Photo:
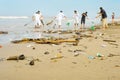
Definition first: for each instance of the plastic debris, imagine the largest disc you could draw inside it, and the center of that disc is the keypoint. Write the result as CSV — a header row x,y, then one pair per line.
x,y
0,46
99,55
91,57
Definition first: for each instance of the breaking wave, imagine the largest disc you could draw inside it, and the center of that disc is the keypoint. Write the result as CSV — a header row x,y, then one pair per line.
x,y
14,17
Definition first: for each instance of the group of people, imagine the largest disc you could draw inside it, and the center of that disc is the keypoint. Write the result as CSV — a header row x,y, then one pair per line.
x,y
38,19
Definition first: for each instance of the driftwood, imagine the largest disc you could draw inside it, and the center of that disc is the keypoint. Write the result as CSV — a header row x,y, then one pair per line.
x,y
20,57
111,55
56,41
50,22
48,41
65,32
3,32
57,57
113,44
109,40
86,35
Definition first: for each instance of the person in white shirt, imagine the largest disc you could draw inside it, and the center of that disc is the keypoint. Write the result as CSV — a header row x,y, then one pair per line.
x,y
76,19
36,18
59,18
41,19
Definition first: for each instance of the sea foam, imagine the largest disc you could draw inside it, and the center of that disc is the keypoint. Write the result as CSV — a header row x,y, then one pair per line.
x,y
14,17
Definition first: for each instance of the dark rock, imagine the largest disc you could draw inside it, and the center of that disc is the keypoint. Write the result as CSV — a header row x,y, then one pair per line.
x,y
31,62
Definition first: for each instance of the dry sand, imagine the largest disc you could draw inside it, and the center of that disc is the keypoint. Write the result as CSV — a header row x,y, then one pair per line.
x,y
70,67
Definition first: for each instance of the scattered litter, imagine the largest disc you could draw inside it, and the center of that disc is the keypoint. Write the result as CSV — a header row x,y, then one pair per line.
x,y
101,34
74,62
76,54
0,46
20,57
111,43
3,32
103,45
117,65
58,56
32,63
53,60
99,55
46,53
91,57
111,55
107,40
70,50
2,59
31,46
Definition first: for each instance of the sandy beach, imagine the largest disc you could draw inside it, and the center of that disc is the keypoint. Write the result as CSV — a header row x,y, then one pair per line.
x,y
93,58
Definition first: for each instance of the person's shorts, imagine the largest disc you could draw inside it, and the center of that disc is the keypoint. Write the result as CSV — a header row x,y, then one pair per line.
x,y
38,22
76,21
82,21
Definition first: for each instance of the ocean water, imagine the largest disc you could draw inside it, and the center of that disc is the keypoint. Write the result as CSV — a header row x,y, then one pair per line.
x,y
15,26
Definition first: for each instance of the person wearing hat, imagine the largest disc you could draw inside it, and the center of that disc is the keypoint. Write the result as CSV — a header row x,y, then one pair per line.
x,y
36,18
103,15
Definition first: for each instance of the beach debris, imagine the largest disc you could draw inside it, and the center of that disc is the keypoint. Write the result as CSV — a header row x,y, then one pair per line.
x,y
20,57
77,33
92,28
86,35
2,59
58,56
76,54
65,32
3,32
101,34
46,53
96,37
56,41
91,57
70,50
113,44
107,40
117,65
103,45
50,22
54,60
0,46
32,62
99,55
74,62
13,58
76,43
31,46
111,55
68,23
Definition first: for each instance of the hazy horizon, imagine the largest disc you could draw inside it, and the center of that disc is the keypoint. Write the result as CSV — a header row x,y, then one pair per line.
x,y
52,7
